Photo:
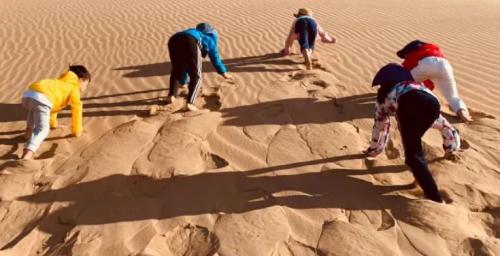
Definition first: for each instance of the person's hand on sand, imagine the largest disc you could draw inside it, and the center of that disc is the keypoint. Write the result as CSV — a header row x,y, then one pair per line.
x,y
58,126
464,116
227,76
370,152
285,51
452,156
76,135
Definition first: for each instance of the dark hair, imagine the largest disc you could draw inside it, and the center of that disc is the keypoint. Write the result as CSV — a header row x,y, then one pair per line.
x,y
205,28
80,71
410,47
388,77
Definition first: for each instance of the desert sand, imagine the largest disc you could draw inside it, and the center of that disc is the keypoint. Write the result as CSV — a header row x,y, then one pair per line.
x,y
275,166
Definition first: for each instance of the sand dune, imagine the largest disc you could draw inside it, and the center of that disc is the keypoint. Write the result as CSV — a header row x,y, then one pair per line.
x,y
275,166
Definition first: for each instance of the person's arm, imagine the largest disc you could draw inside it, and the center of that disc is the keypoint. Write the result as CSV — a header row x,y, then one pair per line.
x,y
451,138
292,36
53,120
380,131
214,56
76,113
325,37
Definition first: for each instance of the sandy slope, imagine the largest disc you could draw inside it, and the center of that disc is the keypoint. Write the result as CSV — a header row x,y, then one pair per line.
x,y
275,167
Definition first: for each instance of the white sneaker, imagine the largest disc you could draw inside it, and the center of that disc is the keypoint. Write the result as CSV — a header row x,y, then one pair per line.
x,y
191,107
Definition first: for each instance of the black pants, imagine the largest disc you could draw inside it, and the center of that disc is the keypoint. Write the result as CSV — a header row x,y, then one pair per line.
x,y
185,56
307,30
417,111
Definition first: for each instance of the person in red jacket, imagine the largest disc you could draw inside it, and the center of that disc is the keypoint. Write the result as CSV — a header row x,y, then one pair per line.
x,y
428,65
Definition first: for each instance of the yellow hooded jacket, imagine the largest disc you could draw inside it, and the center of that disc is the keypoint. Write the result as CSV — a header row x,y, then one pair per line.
x,y
62,92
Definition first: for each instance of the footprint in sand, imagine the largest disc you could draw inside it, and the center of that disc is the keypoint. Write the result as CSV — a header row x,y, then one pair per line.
x,y
318,65
173,107
391,151
21,166
213,161
196,113
464,144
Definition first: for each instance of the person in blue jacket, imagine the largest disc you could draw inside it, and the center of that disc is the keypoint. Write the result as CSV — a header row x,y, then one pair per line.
x,y
187,50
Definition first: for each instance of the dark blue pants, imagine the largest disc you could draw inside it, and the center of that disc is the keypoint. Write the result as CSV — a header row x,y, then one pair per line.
x,y
307,30
185,57
417,111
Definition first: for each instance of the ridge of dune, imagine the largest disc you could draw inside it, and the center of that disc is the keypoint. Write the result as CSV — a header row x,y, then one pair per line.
x,y
275,167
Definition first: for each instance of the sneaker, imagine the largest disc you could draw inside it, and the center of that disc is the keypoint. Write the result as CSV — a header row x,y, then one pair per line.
x,y
191,107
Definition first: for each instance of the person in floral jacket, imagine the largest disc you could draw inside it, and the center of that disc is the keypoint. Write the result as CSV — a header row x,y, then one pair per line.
x,y
417,109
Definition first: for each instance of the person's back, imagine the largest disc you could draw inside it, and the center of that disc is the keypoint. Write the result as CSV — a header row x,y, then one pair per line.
x,y
208,42
61,92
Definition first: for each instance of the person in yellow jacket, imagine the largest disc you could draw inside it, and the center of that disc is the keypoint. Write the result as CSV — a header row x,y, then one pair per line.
x,y
45,98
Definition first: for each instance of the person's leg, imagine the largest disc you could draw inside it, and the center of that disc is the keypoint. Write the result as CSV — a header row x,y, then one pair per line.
x,y
176,50
312,32
448,87
307,54
301,28
194,69
29,119
41,117
423,71
413,125
303,36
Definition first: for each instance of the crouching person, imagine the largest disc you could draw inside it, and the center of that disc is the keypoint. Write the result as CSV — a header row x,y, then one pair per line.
x,y
416,110
45,98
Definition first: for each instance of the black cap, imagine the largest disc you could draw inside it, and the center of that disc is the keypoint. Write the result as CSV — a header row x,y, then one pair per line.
x,y
392,73
205,28
410,47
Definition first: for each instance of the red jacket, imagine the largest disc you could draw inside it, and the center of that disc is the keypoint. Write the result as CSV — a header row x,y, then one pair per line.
x,y
426,50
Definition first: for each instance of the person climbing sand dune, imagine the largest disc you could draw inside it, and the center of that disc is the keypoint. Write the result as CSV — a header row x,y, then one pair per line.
x,y
427,64
416,110
306,30
45,98
187,50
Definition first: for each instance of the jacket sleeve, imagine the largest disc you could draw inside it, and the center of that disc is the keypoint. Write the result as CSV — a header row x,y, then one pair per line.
x,y
451,138
214,56
380,132
76,112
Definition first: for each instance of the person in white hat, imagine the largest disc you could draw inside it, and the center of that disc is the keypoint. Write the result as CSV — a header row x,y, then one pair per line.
x,y
306,29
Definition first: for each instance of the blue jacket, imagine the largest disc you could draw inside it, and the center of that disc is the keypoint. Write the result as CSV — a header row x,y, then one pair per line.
x,y
208,44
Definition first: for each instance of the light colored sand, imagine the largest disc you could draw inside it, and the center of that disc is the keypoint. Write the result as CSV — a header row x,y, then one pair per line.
x,y
274,167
